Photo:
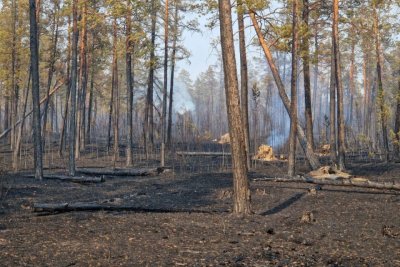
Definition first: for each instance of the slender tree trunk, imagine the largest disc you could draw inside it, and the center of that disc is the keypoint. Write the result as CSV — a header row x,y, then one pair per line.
x,y
37,139
52,62
129,85
14,73
91,91
244,87
149,112
307,77
339,87
165,85
242,202
171,86
397,120
74,70
311,157
17,149
115,93
332,112
293,95
351,82
381,93
80,124
67,95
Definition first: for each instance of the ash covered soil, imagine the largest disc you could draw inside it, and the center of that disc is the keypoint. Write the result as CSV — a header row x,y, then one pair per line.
x,y
191,224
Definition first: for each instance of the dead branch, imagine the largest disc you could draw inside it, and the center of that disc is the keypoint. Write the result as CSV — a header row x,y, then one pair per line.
x,y
74,179
336,181
93,206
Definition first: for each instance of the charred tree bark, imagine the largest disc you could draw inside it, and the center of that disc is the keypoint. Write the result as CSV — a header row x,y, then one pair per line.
x,y
74,71
307,78
293,95
311,157
332,113
115,93
171,85
244,80
381,93
129,85
51,70
397,121
80,124
165,85
67,95
242,202
149,112
34,49
339,87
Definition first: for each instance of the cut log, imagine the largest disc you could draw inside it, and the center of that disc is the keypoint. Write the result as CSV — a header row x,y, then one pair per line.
x,y
74,179
125,172
94,206
337,181
212,154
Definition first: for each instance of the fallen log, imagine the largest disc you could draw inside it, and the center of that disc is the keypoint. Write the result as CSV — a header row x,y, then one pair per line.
x,y
94,206
73,179
336,181
213,154
125,172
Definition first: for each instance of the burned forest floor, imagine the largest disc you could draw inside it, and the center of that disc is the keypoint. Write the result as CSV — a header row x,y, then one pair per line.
x,y
183,218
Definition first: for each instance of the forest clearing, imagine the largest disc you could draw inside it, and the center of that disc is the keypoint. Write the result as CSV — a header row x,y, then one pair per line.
x,y
119,146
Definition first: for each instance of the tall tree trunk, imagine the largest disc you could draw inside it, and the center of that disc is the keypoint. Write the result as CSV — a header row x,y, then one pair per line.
x,y
381,93
311,157
129,85
51,70
74,70
17,149
339,87
244,80
242,202
14,73
351,81
37,139
171,85
80,124
115,92
67,95
165,85
293,94
397,120
149,112
91,91
306,70
332,112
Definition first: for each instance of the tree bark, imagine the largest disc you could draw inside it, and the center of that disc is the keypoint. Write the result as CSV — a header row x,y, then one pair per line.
x,y
397,121
339,87
311,157
332,112
18,141
242,202
80,123
165,85
171,85
149,112
51,70
115,92
381,93
74,70
244,80
129,85
306,70
293,94
34,49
